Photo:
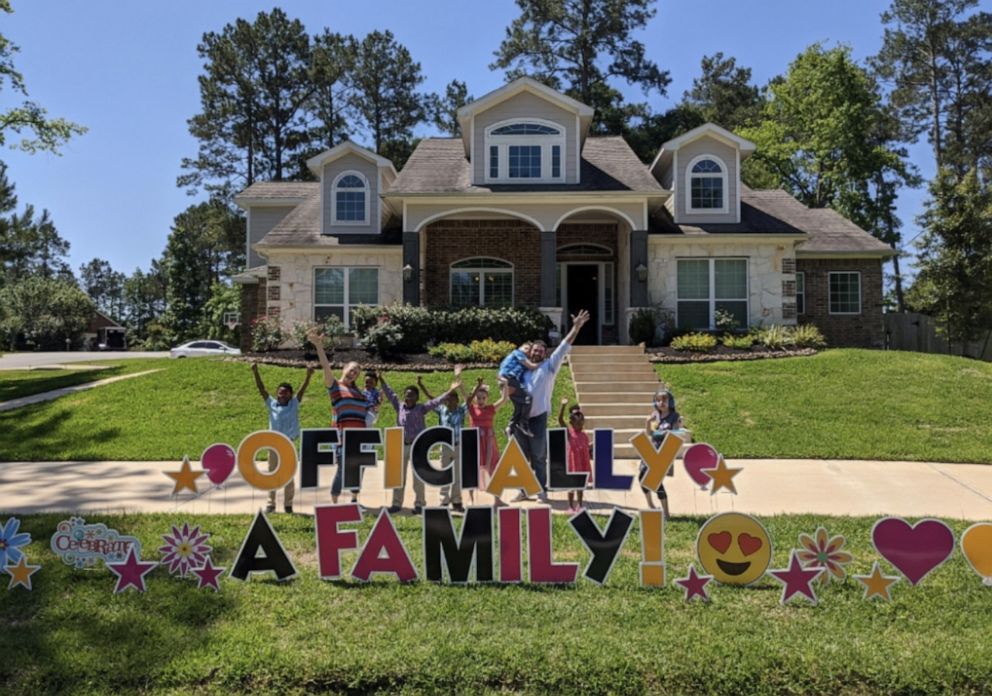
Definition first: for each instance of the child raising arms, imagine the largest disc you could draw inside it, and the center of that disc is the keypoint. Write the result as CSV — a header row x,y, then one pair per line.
x,y
579,449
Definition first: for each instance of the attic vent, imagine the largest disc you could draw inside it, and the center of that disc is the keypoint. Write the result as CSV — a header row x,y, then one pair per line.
x,y
525,129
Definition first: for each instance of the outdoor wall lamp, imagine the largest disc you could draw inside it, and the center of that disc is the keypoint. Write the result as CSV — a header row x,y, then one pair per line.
x,y
407,272
642,272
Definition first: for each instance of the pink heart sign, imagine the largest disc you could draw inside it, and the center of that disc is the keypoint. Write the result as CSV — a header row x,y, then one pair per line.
x,y
698,457
914,550
218,462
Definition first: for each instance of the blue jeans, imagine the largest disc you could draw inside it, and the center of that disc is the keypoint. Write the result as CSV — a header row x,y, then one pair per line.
x,y
536,448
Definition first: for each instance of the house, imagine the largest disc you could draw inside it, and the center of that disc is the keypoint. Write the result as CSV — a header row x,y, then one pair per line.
x,y
527,208
103,333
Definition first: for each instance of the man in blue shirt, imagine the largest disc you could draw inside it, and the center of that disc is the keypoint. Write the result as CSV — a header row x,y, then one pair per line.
x,y
540,383
284,417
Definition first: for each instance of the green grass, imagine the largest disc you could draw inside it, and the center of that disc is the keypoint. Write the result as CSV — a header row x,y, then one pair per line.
x,y
72,634
15,384
844,404
183,409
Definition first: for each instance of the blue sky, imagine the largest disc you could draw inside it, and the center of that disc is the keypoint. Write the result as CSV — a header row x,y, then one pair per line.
x,y
128,71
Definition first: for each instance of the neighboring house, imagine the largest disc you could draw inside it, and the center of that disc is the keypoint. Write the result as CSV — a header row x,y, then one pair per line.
x,y
103,333
528,209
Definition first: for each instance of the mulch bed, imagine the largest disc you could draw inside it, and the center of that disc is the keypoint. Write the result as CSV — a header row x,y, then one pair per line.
x,y
403,362
722,353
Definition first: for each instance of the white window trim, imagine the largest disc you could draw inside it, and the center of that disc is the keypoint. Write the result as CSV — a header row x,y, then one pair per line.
x,y
830,310
334,199
546,142
723,176
801,274
712,287
346,320
512,270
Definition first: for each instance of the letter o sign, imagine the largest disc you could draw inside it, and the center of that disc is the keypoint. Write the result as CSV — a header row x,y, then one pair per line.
x,y
284,450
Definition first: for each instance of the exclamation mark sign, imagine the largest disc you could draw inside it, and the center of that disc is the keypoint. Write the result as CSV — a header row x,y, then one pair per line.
x,y
652,549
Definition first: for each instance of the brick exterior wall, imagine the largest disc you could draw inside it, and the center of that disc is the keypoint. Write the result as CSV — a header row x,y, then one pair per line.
x,y
253,305
865,330
448,241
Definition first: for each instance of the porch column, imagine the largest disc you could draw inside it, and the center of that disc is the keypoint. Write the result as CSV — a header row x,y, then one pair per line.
x,y
411,258
638,257
549,252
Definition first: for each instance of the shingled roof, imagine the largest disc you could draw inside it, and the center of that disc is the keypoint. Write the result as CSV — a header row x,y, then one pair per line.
x,y
301,228
775,211
275,190
439,165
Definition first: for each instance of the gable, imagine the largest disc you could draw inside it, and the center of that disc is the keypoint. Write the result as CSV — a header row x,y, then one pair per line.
x,y
369,171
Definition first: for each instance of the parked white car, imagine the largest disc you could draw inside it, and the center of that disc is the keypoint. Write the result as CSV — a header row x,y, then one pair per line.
x,y
195,349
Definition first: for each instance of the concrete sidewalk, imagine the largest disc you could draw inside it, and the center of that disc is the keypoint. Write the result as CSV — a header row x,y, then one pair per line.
x,y
56,393
765,487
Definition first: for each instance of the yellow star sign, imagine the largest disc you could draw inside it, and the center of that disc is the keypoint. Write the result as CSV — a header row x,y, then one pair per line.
x,y
722,477
185,478
876,584
21,573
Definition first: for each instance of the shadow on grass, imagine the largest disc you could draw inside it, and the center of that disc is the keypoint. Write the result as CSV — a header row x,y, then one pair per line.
x,y
55,639
48,433
15,387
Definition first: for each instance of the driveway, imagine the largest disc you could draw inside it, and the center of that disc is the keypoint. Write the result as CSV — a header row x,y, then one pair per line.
x,y
13,361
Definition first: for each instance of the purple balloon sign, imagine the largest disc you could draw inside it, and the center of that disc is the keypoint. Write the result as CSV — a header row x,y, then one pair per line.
x,y
698,457
218,461
914,550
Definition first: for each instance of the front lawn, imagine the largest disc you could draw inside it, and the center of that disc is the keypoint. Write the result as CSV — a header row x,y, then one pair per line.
x,y
15,384
841,404
72,634
186,407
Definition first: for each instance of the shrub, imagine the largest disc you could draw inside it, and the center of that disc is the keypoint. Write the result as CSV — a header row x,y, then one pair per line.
x,y
331,327
808,336
725,321
642,326
266,334
488,351
695,342
422,327
775,337
741,342
383,339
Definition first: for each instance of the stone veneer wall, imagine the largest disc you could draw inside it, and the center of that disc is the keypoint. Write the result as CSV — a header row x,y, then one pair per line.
x,y
252,306
765,273
865,330
447,241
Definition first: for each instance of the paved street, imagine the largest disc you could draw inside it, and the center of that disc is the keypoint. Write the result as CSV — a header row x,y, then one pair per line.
x,y
14,361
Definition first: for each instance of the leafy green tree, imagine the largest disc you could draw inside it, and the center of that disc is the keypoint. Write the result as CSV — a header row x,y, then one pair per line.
x,y
955,262
938,59
44,312
223,299
579,46
46,134
29,245
385,99
826,137
723,93
104,285
331,63
444,110
252,125
144,299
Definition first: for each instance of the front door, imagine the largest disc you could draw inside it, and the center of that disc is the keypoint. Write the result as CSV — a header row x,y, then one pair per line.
x,y
583,293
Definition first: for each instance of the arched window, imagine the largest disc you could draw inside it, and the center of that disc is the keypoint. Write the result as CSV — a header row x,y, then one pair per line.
x,y
526,151
481,282
707,185
350,193
585,250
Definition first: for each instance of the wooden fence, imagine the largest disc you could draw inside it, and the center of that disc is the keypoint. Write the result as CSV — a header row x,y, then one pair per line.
x,y
918,332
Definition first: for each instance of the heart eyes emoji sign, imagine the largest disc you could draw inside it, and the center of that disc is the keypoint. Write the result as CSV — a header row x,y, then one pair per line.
x,y
734,548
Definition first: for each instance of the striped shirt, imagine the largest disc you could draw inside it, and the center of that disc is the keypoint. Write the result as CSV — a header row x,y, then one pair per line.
x,y
349,404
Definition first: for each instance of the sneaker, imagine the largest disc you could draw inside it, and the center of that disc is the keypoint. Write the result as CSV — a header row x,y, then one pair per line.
x,y
457,507
445,500
271,507
543,497
393,509
288,509
418,509
521,498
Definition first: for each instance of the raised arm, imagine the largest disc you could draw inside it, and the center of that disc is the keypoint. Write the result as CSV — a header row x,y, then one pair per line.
x,y
316,339
438,400
423,388
475,390
578,321
561,414
503,398
258,381
390,394
306,383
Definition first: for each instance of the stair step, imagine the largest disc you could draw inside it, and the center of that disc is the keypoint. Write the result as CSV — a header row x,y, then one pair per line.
x,y
616,387
615,422
614,372
639,398
592,409
607,350
617,359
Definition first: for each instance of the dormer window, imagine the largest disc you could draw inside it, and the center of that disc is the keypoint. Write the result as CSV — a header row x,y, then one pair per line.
x,y
350,195
706,182
529,151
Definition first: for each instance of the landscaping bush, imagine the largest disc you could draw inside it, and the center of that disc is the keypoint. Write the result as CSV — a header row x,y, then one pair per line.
x,y
695,342
808,336
741,342
266,334
421,327
331,327
642,326
487,351
383,339
775,337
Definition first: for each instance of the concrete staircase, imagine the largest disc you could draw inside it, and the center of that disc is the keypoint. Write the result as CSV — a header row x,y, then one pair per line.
x,y
615,386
